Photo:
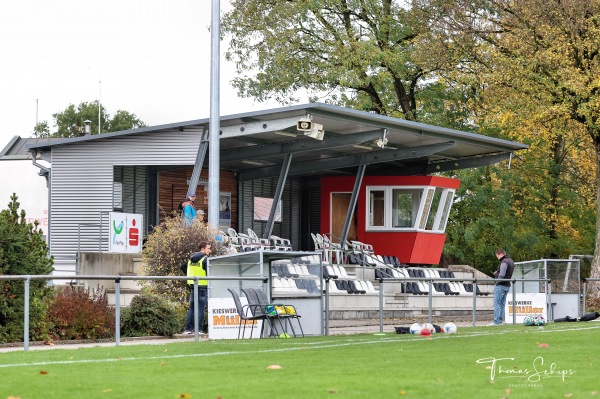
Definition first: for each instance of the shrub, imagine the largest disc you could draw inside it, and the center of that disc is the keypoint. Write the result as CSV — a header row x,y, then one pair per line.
x,y
78,313
168,246
22,251
149,315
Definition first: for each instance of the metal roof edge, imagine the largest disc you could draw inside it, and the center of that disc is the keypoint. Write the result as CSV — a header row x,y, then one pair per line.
x,y
8,146
322,109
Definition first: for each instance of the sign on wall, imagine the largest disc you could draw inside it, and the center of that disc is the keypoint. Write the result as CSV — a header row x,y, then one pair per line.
x,y
224,321
526,304
224,210
126,233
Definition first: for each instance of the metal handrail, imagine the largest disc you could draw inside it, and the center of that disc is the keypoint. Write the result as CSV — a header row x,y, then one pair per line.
x,y
431,280
117,278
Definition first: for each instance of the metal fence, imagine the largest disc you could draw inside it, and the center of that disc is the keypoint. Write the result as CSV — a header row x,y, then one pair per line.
x,y
585,287
27,279
429,281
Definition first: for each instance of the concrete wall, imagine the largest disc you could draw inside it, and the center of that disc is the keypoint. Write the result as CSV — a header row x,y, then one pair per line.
x,y
103,263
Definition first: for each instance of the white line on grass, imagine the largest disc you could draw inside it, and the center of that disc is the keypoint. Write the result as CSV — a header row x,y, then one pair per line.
x,y
304,346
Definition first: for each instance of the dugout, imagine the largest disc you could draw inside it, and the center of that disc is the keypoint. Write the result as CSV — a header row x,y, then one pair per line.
x,y
263,264
561,296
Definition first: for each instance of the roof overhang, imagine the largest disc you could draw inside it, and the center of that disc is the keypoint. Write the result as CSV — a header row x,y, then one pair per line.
x,y
254,144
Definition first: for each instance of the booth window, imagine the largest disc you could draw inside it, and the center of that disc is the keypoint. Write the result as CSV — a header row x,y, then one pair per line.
x,y
377,208
408,208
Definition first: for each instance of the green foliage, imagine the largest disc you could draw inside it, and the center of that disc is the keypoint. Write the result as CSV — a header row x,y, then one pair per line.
x,y
81,313
70,121
150,315
363,55
41,129
168,246
23,251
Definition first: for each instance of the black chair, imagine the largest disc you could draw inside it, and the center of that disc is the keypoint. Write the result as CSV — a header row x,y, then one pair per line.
x,y
290,310
246,315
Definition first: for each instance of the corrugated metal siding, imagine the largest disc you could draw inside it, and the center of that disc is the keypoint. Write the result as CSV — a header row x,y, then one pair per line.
x,y
135,194
82,186
290,212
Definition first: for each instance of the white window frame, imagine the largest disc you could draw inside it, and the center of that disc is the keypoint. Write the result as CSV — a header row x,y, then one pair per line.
x,y
423,210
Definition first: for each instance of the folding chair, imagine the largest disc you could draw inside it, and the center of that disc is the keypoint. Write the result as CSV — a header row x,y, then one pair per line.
x,y
290,310
245,313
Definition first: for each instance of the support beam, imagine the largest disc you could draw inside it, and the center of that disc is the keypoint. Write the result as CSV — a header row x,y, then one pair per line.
x,y
474,162
376,156
246,129
352,205
287,160
299,145
199,161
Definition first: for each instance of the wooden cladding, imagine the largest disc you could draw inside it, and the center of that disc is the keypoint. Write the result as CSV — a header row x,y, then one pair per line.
x,y
173,185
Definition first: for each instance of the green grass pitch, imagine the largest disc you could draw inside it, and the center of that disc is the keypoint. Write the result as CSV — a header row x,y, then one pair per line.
x,y
560,360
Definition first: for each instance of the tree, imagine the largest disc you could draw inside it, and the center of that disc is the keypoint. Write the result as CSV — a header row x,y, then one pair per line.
x,y
23,251
168,247
428,61
544,54
364,55
70,121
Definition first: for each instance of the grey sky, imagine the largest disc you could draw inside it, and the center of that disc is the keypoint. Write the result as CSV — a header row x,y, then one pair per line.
x,y
152,57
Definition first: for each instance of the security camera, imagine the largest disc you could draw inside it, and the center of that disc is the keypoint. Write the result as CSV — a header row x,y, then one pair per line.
x,y
304,125
381,143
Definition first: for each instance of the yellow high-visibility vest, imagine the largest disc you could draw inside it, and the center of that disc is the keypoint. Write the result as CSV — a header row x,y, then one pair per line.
x,y
196,270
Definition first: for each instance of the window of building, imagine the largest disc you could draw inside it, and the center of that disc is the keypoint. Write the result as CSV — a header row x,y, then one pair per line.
x,y
408,208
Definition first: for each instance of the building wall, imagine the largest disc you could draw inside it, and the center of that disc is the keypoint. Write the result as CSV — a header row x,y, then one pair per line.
x,y
291,200
81,193
173,185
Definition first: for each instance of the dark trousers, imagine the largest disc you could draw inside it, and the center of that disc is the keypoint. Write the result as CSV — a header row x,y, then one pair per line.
x,y
202,301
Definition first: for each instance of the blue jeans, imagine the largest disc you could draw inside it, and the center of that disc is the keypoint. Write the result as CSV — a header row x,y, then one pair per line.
x,y
500,292
202,300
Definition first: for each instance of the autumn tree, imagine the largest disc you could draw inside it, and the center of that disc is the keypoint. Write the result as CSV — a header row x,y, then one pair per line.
x,y
363,55
168,247
444,62
538,62
70,121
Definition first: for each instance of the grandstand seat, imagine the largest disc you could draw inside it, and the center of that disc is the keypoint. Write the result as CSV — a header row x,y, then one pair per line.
x,y
370,288
357,287
280,244
333,288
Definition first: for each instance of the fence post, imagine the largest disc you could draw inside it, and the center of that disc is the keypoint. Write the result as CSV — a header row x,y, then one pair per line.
x,y
196,321
584,296
549,291
326,304
514,301
430,301
118,311
26,315
380,305
474,302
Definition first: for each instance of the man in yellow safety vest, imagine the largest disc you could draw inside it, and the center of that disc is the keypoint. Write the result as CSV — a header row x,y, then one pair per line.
x,y
196,267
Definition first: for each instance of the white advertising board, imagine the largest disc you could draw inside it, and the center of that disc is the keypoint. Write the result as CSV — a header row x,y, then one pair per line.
x,y
223,320
126,232
526,304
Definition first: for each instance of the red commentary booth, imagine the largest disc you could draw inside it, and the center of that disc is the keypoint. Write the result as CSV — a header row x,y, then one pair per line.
x,y
404,216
